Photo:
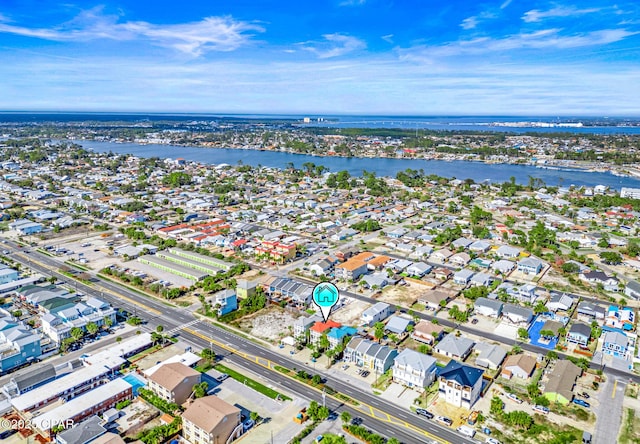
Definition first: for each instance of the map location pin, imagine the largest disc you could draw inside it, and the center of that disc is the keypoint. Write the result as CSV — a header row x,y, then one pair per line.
x,y
325,296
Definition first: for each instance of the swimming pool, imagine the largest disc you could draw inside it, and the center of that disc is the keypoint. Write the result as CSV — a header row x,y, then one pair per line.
x,y
135,382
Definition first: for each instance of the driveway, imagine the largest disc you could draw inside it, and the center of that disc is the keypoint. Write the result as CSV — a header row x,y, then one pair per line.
x,y
609,414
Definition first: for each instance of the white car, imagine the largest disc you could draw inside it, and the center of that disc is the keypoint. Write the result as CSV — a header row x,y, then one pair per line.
x,y
492,441
514,398
541,409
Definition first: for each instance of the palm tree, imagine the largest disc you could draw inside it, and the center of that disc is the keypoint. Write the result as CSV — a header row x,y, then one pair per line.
x,y
92,328
76,333
345,417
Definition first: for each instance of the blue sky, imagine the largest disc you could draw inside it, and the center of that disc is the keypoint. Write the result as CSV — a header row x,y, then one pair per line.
x,y
416,57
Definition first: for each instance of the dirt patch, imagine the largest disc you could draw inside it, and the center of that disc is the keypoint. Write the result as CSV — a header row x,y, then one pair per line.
x,y
350,313
403,295
271,324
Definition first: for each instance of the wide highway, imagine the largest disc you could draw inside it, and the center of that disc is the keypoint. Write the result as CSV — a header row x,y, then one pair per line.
x,y
378,414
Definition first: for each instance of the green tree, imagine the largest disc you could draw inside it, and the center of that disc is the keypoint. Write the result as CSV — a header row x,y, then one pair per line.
x,y
378,332
497,406
92,328
345,417
200,390
159,328
523,333
76,333
323,343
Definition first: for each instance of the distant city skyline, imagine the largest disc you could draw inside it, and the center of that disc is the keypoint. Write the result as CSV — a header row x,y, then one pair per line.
x,y
328,57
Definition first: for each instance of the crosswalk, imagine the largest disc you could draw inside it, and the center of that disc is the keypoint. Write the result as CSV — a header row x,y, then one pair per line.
x,y
181,327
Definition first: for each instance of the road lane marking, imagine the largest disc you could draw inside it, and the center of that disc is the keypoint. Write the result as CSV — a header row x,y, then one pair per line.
x,y
373,412
615,385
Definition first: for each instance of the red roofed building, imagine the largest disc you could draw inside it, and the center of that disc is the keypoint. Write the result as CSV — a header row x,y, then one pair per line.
x,y
319,328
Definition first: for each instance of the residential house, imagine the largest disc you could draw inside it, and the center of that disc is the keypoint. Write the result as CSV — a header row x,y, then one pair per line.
x,y
433,298
460,259
480,246
559,302
442,273
503,266
516,314
488,307
225,302
489,355
369,354
336,336
351,270
210,420
530,265
245,288
323,267
615,344
621,318
562,380
527,293
376,280
520,365
460,384
461,242
319,328
483,279
463,277
441,255
454,347
632,289
588,312
579,333
398,324
379,312
419,269
414,369
594,277
427,332
302,325
508,252
174,382
19,344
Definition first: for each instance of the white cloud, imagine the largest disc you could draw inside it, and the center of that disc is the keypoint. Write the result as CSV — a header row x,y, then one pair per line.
x,y
388,38
372,85
505,4
536,15
334,45
469,23
352,2
542,39
195,38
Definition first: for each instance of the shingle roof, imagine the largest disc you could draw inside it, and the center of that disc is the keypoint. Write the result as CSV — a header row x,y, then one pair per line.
x,y
415,360
455,346
464,375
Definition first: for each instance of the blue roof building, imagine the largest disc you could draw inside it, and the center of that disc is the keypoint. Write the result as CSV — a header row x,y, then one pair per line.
x,y
460,384
336,335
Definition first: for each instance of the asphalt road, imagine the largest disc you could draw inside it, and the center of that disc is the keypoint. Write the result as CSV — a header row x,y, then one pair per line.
x,y
175,318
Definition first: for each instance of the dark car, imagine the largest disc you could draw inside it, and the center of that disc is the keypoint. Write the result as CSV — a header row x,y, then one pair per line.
x,y
582,403
365,373
474,321
7,433
422,412
585,395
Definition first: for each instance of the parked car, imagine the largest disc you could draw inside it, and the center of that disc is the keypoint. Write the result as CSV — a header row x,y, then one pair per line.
x,y
423,412
582,403
444,420
365,373
514,398
319,438
492,441
585,395
541,409
222,377
474,321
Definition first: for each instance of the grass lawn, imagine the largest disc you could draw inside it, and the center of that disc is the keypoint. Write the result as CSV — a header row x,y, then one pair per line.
x,y
261,388
630,429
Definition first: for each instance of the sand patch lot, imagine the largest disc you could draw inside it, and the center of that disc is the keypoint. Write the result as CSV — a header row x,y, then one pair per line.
x,y
403,295
271,324
350,312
